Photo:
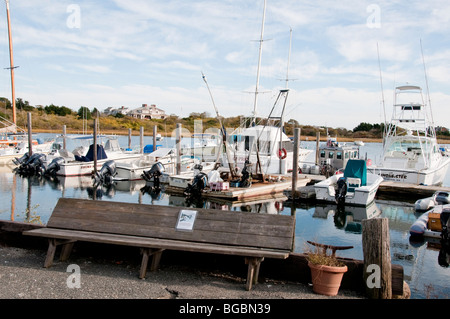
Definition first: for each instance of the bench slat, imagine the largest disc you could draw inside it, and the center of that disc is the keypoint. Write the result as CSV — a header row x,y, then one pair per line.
x,y
155,243
233,228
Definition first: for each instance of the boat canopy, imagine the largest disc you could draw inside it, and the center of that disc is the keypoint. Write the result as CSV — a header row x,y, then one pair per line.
x,y
90,154
356,169
408,87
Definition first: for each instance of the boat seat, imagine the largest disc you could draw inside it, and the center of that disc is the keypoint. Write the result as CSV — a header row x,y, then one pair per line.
x,y
353,183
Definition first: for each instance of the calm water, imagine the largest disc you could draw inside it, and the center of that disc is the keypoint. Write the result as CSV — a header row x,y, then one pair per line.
x,y
33,199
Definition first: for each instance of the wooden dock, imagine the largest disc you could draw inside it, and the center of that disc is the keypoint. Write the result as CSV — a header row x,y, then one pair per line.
x,y
387,189
408,191
243,194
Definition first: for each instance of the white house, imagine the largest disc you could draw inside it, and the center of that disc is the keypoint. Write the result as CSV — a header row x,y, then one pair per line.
x,y
147,112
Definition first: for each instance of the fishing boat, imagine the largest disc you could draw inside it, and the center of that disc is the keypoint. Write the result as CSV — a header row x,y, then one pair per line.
x,y
355,186
266,147
410,149
333,156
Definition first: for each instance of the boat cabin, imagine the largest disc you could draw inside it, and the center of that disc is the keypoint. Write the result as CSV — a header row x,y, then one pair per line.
x,y
337,155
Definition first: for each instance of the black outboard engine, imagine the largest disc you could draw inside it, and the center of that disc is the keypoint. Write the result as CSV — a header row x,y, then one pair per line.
x,y
106,173
246,172
23,159
154,173
445,222
54,166
442,198
33,166
341,191
198,185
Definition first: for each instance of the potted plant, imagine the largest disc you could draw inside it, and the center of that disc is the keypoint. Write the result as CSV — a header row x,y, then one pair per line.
x,y
326,270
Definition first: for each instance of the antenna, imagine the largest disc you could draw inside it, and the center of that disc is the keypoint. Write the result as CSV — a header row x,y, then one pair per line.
x,y
426,82
289,57
255,104
382,91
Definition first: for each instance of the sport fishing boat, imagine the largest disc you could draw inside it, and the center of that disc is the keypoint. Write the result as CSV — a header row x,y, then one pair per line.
x,y
410,149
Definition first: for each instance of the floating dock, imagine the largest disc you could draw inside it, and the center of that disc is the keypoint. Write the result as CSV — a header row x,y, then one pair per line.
x,y
255,191
387,189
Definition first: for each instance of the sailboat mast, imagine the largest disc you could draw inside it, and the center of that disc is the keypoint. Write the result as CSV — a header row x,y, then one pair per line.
x,y
255,103
11,63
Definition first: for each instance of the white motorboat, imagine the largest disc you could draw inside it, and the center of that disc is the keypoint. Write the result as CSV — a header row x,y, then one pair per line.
x,y
134,170
18,148
411,152
80,161
355,186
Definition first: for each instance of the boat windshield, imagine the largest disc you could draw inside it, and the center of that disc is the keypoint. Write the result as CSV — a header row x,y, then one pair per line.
x,y
410,145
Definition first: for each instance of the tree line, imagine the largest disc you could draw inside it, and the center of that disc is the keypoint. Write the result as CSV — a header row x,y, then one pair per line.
x,y
52,117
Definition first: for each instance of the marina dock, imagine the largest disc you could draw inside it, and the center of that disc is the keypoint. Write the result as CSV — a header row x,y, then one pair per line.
x,y
241,193
387,189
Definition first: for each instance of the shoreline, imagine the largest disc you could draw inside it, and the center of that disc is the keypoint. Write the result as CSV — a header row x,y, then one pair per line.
x,y
302,137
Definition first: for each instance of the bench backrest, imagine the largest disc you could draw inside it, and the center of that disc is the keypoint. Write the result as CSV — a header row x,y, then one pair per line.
x,y
210,226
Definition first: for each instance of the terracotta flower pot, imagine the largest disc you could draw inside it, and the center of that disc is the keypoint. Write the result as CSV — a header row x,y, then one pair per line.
x,y
326,279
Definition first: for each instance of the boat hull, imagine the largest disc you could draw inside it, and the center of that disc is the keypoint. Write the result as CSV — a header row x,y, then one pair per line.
x,y
422,177
362,196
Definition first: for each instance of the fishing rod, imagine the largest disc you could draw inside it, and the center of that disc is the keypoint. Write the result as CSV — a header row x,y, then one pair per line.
x,y
222,128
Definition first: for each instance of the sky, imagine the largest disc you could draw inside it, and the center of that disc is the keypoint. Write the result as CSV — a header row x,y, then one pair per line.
x,y
343,62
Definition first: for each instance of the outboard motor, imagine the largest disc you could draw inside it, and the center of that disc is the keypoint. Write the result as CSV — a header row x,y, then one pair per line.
x,y
445,222
154,173
23,159
442,198
246,172
106,173
341,191
197,186
54,166
33,166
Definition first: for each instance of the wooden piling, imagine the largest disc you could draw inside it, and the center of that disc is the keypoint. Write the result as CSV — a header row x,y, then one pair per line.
x,y
178,146
30,135
64,133
377,272
129,138
295,163
141,137
95,146
317,147
154,138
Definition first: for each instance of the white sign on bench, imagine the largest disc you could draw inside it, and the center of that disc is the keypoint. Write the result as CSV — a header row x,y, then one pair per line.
x,y
186,220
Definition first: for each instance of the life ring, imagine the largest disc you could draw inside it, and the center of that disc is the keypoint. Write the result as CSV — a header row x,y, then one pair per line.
x,y
282,154
278,206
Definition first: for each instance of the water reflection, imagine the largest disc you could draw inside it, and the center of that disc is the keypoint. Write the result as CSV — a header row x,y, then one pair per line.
x,y
425,264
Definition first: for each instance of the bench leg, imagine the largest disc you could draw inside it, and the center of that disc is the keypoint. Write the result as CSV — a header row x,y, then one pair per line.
x,y
50,253
65,253
66,250
253,271
146,253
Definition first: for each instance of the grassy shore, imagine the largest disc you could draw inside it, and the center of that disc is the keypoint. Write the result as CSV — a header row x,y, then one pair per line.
x,y
303,138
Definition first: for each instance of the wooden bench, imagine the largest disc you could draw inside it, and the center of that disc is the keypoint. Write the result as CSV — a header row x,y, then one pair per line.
x,y
156,228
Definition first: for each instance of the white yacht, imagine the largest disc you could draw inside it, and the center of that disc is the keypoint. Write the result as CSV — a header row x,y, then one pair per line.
x,y
410,149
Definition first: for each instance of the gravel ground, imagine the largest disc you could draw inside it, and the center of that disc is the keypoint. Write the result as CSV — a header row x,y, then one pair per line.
x,y
106,277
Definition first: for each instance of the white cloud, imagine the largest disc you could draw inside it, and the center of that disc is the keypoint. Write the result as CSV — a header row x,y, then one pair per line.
x,y
134,52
